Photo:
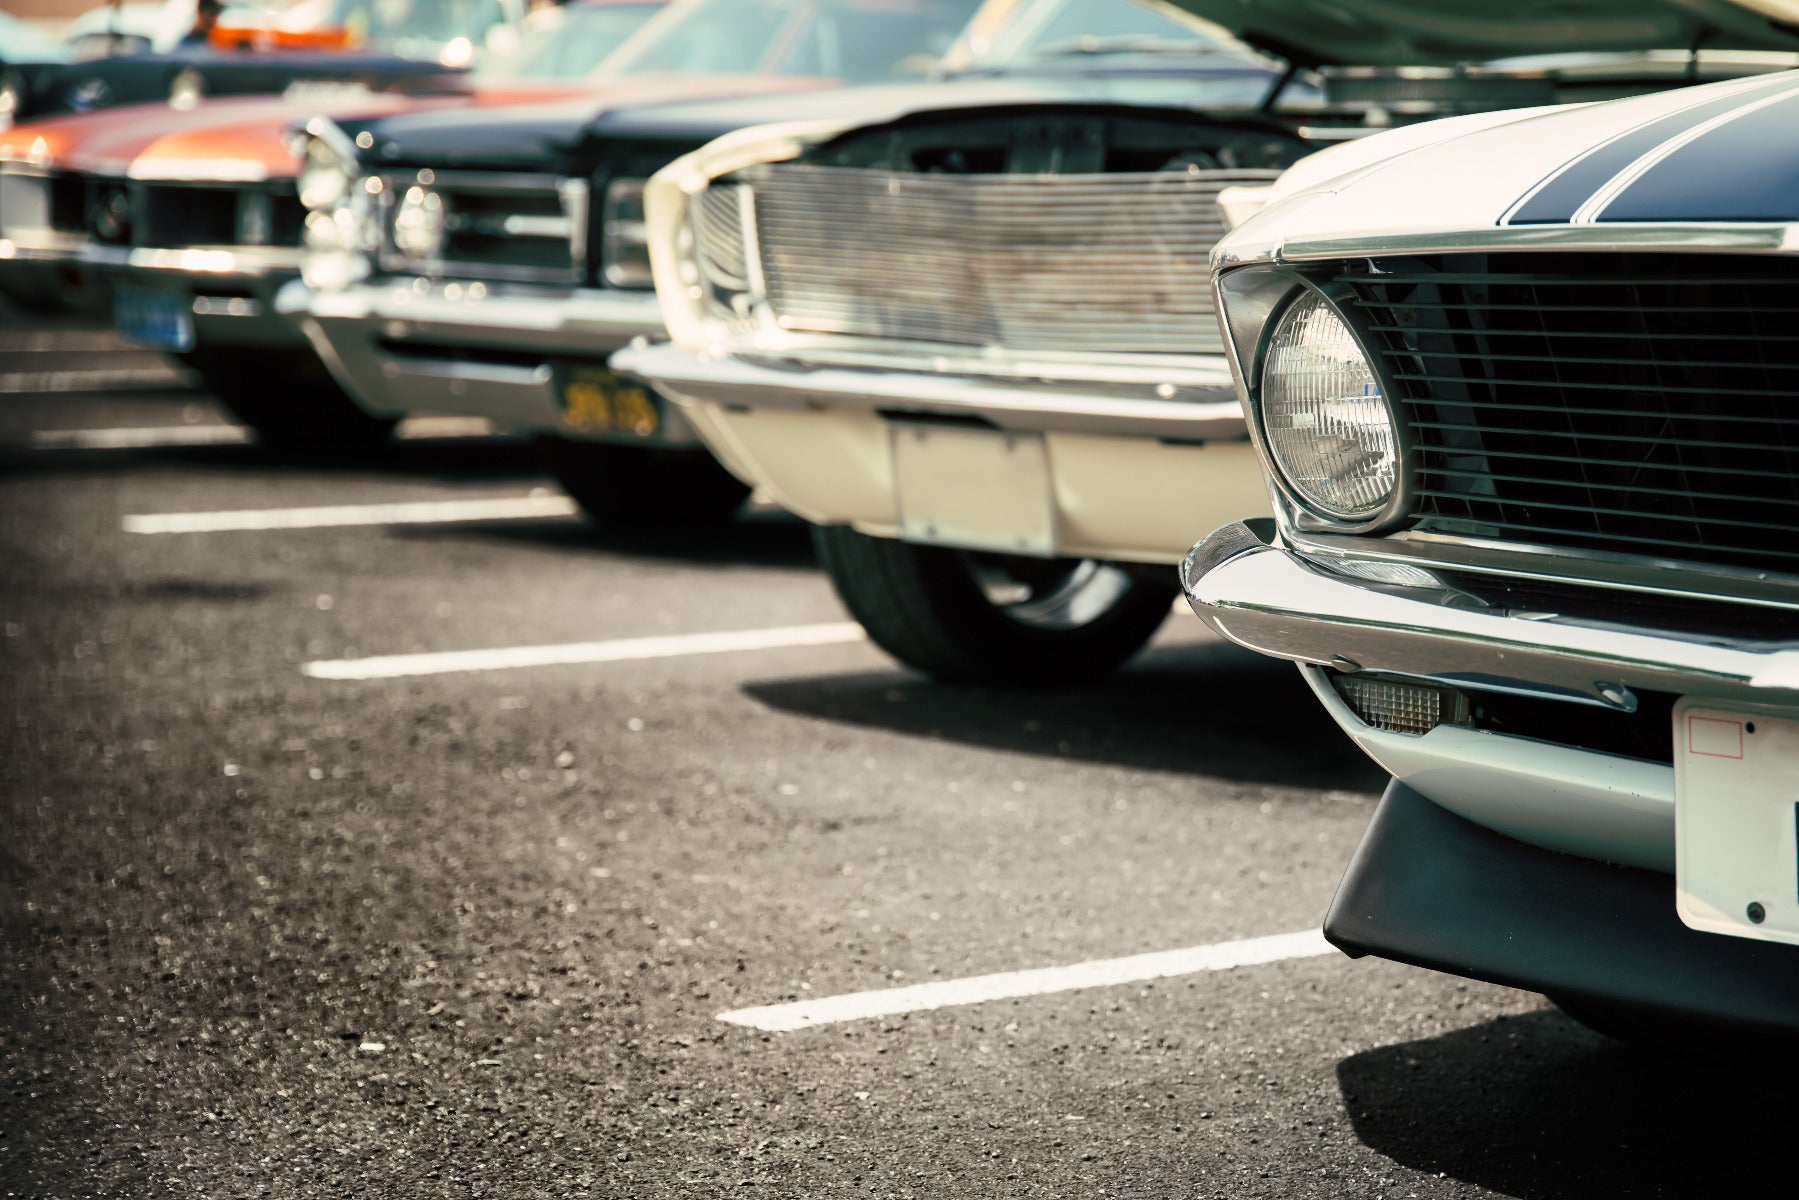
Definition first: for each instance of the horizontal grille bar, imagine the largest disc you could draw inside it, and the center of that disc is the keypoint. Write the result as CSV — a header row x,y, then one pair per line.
x,y
514,229
1105,263
1637,404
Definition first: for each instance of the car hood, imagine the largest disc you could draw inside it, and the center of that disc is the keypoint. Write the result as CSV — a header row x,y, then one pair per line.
x,y
552,136
1425,32
243,138
1726,152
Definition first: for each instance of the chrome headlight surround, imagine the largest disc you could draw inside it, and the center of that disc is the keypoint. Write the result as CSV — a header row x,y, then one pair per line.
x,y
1260,307
327,165
340,236
625,236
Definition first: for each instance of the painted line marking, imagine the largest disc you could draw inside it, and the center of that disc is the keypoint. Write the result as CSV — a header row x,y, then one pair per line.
x,y
176,436
412,512
139,439
1165,964
396,666
22,383
68,341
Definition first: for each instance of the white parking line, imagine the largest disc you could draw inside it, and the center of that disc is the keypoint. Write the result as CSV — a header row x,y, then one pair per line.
x,y
395,666
175,436
23,383
1166,964
413,512
139,439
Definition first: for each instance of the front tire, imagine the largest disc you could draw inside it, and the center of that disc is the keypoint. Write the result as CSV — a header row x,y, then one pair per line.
x,y
289,400
623,488
963,617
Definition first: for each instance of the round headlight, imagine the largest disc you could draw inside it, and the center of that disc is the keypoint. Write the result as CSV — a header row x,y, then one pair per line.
x,y
324,179
419,224
1327,424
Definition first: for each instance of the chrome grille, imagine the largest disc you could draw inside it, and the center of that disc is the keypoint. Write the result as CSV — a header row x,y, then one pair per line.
x,y
1631,403
1106,263
520,228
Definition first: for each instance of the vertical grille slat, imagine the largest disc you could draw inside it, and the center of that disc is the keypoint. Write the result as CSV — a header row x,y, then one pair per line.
x,y
1643,404
1109,263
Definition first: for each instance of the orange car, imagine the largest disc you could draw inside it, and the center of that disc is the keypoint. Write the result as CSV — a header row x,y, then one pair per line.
x,y
192,220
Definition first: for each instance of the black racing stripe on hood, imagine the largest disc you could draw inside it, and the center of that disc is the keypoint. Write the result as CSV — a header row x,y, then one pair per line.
x,y
1744,170
1558,198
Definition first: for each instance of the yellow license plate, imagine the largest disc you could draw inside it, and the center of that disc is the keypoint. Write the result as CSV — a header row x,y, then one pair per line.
x,y
594,400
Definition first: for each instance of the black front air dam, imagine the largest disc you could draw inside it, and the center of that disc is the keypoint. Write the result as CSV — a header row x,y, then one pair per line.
x,y
1427,887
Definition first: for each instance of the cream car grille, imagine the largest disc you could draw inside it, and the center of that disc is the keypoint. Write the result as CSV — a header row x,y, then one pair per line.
x,y
1112,264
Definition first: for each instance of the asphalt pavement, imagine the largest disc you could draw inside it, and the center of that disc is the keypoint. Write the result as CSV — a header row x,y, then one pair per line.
x,y
649,900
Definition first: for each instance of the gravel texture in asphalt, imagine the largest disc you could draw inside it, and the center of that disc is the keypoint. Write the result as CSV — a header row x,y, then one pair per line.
x,y
469,934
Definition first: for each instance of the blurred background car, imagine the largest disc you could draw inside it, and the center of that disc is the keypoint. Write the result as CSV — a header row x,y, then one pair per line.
x,y
413,317
259,51
974,343
195,215
27,54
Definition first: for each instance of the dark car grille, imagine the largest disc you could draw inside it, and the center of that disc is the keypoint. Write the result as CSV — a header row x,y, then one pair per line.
x,y
1638,404
501,227
174,216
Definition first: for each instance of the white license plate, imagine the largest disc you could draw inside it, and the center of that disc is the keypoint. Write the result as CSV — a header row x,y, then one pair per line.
x,y
976,489
1736,820
163,320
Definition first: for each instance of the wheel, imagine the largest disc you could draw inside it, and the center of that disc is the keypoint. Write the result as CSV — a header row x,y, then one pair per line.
x,y
288,399
964,617
628,488
1663,1032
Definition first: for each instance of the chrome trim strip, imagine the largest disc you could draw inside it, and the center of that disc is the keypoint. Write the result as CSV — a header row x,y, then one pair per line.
x,y
1268,599
1707,237
734,380
575,322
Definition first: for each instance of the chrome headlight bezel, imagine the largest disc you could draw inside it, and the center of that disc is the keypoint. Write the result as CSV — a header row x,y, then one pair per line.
x,y
624,236
328,166
1254,305
339,240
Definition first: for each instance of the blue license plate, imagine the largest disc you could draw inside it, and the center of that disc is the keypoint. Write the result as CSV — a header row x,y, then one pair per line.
x,y
163,320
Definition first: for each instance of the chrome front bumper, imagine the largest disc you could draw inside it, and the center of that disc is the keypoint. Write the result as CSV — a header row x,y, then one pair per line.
x,y
1124,470
1016,403
1268,599
486,350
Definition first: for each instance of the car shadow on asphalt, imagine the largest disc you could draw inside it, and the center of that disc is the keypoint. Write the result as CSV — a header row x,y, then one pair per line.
x,y
776,540
1207,709
1536,1106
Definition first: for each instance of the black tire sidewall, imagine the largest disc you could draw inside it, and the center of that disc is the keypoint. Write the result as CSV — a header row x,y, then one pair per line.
x,y
923,605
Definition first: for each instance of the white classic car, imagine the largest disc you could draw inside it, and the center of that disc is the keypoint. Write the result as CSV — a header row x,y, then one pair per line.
x,y
977,348
1529,402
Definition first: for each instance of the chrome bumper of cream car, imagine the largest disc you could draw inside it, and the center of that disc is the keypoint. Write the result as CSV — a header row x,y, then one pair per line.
x,y
1201,406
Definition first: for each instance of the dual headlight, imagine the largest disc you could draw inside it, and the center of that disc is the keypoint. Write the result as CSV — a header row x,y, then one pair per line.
x,y
1325,419
340,224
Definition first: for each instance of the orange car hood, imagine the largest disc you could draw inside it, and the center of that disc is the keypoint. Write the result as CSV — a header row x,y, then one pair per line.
x,y
245,138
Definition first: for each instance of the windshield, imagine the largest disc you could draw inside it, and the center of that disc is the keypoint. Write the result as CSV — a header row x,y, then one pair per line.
x,y
569,42
384,22
858,41
1044,29
20,43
